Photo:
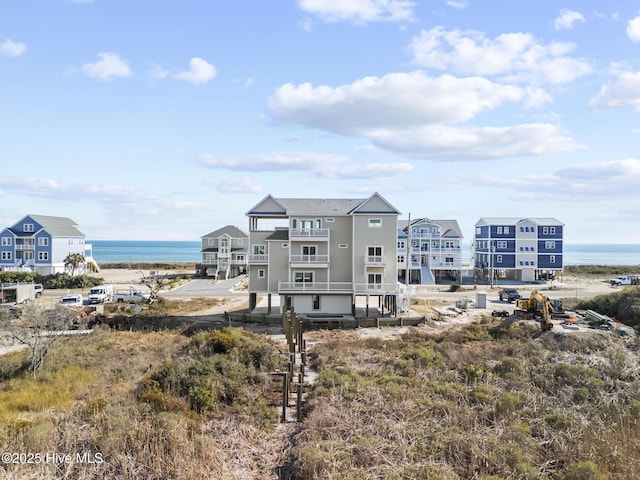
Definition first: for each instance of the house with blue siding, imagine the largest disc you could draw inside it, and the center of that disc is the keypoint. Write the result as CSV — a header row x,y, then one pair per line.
x,y
523,249
40,243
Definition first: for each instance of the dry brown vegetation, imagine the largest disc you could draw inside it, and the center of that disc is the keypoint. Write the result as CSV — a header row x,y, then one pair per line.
x,y
157,398
481,402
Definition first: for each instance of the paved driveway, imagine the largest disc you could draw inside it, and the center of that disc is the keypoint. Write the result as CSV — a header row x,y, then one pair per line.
x,y
202,287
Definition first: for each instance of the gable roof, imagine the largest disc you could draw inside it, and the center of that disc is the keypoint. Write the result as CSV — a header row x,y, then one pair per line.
x,y
449,228
55,226
327,207
230,230
515,220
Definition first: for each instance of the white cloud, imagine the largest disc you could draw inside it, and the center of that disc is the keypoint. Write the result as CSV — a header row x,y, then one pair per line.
x,y
367,171
619,169
566,19
393,101
623,92
276,161
200,72
359,11
458,4
476,143
109,65
633,29
321,165
515,56
235,185
10,48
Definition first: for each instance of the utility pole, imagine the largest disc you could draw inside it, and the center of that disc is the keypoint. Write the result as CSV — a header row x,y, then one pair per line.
x,y
407,256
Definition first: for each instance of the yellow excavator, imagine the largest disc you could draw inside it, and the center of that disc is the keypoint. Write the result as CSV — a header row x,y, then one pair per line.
x,y
540,307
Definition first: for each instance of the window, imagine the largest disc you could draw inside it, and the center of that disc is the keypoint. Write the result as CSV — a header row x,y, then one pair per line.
x,y
552,259
522,229
240,241
258,249
43,242
261,273
309,250
521,249
478,230
329,220
211,241
6,255
521,263
343,245
545,230
375,223
550,245
448,260
552,230
315,299
498,258
28,227
501,244
499,230
43,255
506,230
285,245
240,258
401,258
401,244
303,277
6,241
374,279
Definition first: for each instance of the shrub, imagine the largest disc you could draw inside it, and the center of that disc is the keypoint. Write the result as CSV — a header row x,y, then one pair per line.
x,y
587,470
454,287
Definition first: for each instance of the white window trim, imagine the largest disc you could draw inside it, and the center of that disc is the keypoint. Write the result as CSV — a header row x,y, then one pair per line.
x,y
375,223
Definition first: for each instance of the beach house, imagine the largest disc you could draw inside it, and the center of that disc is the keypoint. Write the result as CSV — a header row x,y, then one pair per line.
x,y
524,249
320,255
429,251
224,253
40,243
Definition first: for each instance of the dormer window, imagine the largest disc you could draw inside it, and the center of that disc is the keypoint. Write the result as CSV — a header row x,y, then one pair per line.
x,y
28,227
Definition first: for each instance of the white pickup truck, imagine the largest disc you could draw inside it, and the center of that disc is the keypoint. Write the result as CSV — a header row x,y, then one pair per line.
x,y
130,295
625,280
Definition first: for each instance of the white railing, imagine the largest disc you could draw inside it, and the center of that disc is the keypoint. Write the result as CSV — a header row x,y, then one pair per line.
x,y
309,259
309,233
380,260
315,287
255,258
376,288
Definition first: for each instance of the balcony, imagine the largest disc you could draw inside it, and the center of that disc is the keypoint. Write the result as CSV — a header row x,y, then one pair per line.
x,y
315,287
301,261
25,246
308,234
258,259
375,260
375,288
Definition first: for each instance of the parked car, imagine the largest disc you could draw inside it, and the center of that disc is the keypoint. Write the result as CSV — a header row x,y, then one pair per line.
x,y
130,296
509,295
38,289
625,280
72,300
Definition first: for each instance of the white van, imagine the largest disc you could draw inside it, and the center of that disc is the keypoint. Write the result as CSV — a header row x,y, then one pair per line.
x,y
100,294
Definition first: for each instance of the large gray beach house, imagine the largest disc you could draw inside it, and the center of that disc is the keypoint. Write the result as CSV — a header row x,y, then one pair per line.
x,y
318,255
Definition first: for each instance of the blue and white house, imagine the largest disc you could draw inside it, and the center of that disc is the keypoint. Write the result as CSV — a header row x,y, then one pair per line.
x,y
524,249
40,243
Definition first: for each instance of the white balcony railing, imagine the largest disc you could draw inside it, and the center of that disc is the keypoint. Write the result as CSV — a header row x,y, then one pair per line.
x,y
379,260
309,259
375,288
304,233
315,287
258,258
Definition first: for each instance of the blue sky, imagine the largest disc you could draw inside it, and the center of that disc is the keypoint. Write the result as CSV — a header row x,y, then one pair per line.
x,y
167,120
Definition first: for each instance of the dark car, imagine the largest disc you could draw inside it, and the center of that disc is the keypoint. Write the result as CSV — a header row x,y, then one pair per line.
x,y
509,294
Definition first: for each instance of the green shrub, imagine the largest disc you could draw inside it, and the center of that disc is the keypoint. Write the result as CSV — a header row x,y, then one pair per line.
x,y
587,470
454,287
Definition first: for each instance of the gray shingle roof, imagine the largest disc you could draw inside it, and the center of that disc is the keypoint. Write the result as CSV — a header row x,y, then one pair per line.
x,y
57,226
232,231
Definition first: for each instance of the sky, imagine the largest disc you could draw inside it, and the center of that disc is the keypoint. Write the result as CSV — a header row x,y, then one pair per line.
x,y
166,120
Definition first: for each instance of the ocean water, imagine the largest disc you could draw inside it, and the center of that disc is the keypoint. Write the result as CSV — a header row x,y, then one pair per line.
x,y
107,251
